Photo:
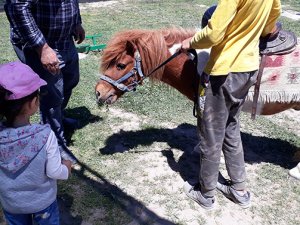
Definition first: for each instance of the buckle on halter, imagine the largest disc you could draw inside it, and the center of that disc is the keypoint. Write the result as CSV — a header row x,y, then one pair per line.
x,y
122,87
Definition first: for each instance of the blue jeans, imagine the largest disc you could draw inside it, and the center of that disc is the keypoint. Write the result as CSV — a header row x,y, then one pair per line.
x,y
48,216
56,94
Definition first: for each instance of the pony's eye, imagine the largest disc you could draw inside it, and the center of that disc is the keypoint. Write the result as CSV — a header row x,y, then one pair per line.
x,y
121,66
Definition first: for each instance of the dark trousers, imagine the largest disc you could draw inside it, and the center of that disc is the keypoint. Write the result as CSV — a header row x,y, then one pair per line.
x,y
56,94
220,129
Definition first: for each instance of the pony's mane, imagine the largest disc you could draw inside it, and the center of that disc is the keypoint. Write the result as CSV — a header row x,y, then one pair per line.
x,y
175,35
152,44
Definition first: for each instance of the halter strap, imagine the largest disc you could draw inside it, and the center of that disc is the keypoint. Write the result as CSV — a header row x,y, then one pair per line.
x,y
137,69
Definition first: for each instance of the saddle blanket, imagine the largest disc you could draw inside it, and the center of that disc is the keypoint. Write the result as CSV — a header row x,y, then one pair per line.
x,y
280,79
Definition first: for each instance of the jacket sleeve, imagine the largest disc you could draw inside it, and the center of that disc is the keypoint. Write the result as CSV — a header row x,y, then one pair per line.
x,y
216,28
78,13
274,15
54,168
22,22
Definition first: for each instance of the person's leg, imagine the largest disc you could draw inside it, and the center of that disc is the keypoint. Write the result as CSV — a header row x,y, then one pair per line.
x,y
51,94
236,89
212,133
51,98
70,79
70,73
233,152
204,81
48,216
17,219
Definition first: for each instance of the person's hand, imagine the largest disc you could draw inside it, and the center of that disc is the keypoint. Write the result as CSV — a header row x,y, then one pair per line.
x,y
68,164
49,59
185,45
79,34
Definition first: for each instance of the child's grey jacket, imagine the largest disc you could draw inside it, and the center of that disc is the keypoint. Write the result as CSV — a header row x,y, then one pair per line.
x,y
24,185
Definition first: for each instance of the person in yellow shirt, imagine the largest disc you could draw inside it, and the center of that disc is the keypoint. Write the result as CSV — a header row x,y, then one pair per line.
x,y
233,34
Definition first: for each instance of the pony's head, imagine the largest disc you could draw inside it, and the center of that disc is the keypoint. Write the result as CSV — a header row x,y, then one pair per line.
x,y
128,56
131,55
117,61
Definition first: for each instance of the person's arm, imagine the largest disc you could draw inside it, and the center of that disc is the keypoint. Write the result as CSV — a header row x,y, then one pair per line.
x,y
21,20
215,30
274,15
55,168
79,32
78,13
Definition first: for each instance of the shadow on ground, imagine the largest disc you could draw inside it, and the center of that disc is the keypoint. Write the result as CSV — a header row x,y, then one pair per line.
x,y
137,211
184,137
65,202
83,116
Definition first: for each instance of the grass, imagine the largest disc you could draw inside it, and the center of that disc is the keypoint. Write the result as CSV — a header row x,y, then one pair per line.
x,y
116,183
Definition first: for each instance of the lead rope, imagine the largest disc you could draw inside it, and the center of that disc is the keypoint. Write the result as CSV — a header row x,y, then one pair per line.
x,y
165,62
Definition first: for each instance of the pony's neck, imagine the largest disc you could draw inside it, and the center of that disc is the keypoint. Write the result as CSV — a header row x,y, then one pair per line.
x,y
183,74
154,46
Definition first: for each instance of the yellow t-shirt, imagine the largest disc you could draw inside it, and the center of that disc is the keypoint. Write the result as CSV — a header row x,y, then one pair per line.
x,y
233,33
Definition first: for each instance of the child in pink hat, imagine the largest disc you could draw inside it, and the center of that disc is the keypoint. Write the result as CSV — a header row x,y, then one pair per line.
x,y
30,161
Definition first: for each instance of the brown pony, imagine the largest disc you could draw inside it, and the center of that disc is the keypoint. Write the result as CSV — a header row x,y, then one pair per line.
x,y
131,55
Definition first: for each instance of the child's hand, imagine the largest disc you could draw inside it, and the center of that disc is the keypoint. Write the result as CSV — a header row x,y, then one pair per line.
x,y
186,45
68,164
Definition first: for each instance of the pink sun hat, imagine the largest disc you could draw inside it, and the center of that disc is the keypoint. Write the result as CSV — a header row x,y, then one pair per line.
x,y
19,79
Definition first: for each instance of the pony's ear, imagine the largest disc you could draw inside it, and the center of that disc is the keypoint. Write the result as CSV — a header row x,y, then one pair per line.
x,y
130,48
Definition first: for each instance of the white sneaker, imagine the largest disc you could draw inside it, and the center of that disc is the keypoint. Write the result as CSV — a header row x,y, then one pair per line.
x,y
295,172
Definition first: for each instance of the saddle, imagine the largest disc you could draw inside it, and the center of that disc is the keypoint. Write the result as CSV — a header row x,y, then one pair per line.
x,y
279,42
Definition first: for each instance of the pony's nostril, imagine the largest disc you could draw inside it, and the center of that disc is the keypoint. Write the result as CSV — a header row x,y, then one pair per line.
x,y
98,94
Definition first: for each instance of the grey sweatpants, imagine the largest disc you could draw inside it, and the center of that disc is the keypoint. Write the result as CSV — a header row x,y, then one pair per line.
x,y
220,130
